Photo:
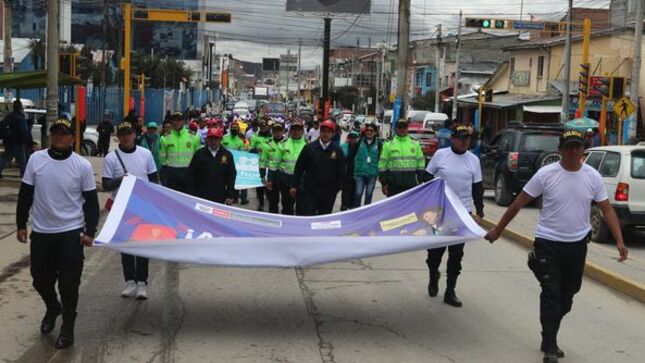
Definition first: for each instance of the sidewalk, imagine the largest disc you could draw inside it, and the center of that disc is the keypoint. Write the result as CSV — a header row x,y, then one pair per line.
x,y
605,255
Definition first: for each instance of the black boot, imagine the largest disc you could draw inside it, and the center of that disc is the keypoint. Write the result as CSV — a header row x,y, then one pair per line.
x,y
550,357
433,285
66,337
49,320
558,352
451,298
546,341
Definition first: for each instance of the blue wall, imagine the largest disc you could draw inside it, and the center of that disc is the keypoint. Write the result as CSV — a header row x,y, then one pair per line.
x,y
424,78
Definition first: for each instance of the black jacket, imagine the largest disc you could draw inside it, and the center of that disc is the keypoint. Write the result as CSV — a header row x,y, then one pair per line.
x,y
320,171
212,178
18,132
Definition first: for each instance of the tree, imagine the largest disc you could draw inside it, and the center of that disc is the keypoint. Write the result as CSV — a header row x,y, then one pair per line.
x,y
37,51
162,73
423,102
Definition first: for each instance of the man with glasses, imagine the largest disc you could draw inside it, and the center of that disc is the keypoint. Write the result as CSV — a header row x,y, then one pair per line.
x,y
401,166
461,171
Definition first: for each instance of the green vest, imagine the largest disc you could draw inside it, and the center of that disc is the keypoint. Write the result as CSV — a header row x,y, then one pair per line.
x,y
400,161
233,142
257,142
288,153
268,156
178,148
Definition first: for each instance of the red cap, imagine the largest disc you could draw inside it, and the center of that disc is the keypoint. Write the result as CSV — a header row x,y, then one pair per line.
x,y
328,124
215,132
193,126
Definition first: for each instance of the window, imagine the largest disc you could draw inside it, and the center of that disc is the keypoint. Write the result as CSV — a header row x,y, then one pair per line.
x,y
418,79
638,164
594,159
512,65
541,142
540,66
610,165
430,80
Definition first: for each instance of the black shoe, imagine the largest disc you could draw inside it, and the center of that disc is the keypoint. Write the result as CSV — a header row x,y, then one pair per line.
x,y
451,299
245,201
433,285
261,208
550,357
64,342
49,322
558,352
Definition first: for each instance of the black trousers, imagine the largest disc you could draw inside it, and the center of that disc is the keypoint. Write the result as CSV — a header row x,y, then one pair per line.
x,y
104,146
288,201
318,204
135,268
176,178
58,257
455,254
347,194
559,269
260,192
274,198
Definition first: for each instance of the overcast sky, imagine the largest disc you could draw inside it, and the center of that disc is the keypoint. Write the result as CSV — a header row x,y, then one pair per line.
x,y
263,28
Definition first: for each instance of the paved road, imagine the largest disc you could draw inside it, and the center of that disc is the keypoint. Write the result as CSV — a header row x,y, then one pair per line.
x,y
603,254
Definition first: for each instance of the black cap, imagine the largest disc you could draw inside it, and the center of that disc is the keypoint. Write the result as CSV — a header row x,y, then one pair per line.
x,y
461,130
63,125
124,128
277,126
571,137
402,123
262,123
177,116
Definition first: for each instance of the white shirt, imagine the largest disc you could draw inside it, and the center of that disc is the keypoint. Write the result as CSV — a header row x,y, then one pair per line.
x,y
58,187
459,172
324,145
213,152
313,134
139,163
566,201
250,133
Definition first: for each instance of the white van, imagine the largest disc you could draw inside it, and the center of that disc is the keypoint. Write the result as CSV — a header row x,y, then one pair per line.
x,y
434,120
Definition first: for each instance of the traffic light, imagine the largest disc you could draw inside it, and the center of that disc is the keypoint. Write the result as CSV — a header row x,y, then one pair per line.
x,y
478,23
604,87
67,63
617,87
583,79
488,95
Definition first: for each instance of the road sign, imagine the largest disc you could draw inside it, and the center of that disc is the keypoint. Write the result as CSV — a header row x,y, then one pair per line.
x,y
624,107
527,25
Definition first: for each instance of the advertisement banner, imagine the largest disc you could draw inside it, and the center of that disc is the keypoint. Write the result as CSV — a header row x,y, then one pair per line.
x,y
152,221
248,170
330,6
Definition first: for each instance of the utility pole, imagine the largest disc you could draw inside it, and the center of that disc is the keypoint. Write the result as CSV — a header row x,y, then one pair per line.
x,y
127,53
379,72
567,68
104,46
288,69
298,76
402,57
437,75
455,92
52,68
8,54
636,66
325,70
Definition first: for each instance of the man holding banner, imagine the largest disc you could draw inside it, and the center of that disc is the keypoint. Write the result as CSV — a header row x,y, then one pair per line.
x,y
233,141
268,161
286,158
212,170
256,145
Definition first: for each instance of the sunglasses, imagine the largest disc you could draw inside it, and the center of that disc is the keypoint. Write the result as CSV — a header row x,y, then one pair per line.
x,y
462,137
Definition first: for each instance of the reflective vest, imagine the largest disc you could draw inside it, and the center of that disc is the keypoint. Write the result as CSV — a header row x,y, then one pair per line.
x,y
268,156
400,162
233,142
258,141
288,153
178,148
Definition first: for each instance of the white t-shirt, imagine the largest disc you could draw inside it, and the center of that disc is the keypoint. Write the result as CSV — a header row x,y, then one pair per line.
x,y
566,201
58,187
459,172
139,163
313,134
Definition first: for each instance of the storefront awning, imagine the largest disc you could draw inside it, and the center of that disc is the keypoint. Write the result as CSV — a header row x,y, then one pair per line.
x,y
543,109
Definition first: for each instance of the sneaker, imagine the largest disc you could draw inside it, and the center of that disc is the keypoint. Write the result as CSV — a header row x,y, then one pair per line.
x,y
130,289
142,293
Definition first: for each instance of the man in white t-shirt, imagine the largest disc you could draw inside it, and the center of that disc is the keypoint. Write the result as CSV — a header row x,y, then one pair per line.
x,y
568,189
59,189
314,132
461,171
128,158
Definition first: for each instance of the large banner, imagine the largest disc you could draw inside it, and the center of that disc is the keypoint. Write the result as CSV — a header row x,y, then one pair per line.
x,y
330,6
152,221
248,170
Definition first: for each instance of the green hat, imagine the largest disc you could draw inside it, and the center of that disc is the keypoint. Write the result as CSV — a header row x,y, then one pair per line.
x,y
152,125
352,134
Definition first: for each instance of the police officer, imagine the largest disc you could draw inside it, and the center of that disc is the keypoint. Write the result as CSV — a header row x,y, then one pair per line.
x,y
177,149
568,188
233,141
212,170
286,157
401,165
256,144
128,158
461,171
269,166
320,168
59,189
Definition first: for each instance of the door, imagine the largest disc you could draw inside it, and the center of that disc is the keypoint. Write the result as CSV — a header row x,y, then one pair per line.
x,y
489,159
637,182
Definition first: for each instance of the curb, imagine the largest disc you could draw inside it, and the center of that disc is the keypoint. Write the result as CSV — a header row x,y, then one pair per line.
x,y
594,271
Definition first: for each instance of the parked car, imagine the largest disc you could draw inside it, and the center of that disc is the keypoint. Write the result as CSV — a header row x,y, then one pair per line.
x,y
514,155
416,117
275,110
90,139
434,120
428,140
623,173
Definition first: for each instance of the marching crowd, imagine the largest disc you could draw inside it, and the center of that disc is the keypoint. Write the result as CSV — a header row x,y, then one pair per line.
x,y
302,173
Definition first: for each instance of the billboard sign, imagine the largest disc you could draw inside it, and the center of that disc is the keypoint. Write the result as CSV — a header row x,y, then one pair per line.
x,y
330,6
271,64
